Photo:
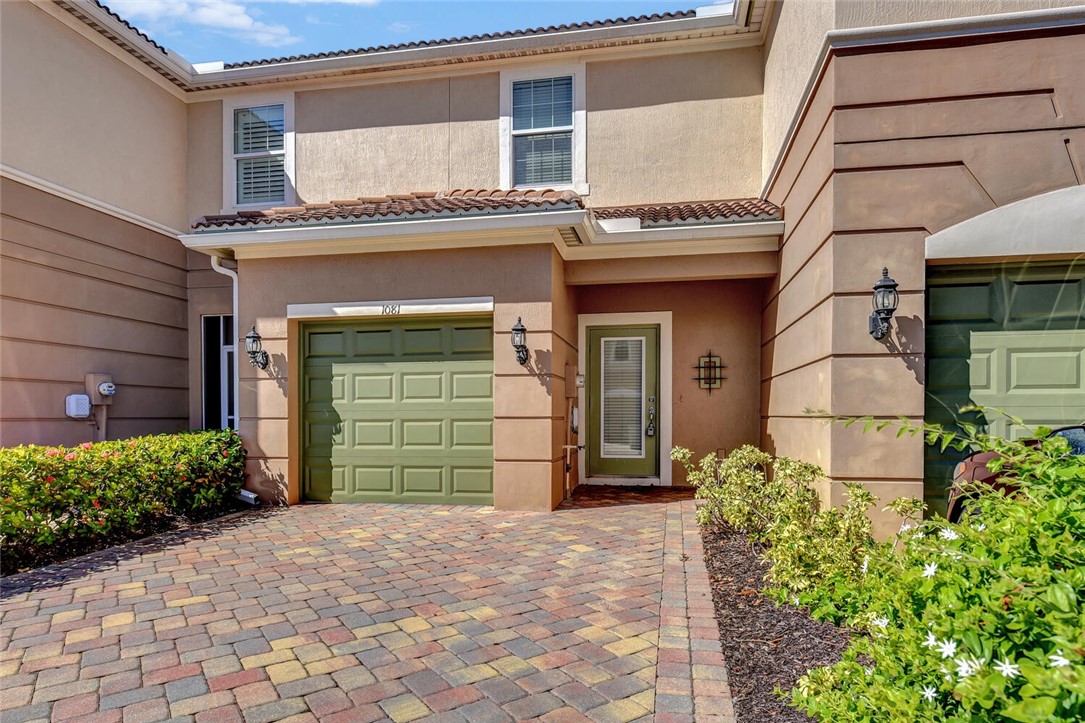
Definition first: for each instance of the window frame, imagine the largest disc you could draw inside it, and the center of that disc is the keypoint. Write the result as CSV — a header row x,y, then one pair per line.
x,y
226,355
579,180
229,158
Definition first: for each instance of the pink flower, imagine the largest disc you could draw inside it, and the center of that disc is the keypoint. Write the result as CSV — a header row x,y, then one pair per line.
x,y
69,456
225,453
86,445
50,479
52,452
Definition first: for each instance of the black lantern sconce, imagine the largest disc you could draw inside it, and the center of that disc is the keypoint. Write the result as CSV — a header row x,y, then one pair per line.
x,y
255,350
885,303
519,341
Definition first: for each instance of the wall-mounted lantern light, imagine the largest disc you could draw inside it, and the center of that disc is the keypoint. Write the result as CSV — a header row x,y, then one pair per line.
x,y
519,341
885,303
255,350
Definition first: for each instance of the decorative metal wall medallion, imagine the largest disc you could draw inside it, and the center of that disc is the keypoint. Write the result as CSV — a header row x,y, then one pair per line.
x,y
709,372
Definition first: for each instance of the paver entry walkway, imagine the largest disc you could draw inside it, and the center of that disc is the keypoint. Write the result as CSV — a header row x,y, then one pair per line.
x,y
355,613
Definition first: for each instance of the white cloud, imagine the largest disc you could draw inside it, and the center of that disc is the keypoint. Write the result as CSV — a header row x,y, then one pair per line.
x,y
398,27
227,16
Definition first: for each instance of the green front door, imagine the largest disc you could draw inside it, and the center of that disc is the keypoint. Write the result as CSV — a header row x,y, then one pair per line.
x,y
623,401
398,411
1009,337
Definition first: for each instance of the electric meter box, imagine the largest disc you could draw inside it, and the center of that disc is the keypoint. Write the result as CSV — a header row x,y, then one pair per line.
x,y
77,406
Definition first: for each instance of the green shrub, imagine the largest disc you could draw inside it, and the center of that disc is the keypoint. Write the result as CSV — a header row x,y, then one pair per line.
x,y
814,554
973,622
54,495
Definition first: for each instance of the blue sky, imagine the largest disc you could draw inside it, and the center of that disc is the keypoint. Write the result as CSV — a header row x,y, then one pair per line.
x,y
233,30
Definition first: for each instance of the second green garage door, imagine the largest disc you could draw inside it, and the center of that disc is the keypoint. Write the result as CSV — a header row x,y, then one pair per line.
x,y
398,411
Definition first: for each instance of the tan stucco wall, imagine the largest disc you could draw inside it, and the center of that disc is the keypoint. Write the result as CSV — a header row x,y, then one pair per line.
x,y
78,117
674,128
85,292
209,293
529,402
719,315
665,128
796,35
896,146
204,169
400,137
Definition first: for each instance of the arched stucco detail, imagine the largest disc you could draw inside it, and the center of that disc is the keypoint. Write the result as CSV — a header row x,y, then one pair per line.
x,y
1048,224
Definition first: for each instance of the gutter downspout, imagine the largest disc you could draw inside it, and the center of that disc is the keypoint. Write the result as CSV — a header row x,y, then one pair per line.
x,y
216,264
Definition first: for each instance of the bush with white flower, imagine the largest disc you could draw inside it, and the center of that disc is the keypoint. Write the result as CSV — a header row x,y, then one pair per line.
x,y
982,621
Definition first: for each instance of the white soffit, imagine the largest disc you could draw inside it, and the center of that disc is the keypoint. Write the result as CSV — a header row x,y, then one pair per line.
x,y
390,308
1048,224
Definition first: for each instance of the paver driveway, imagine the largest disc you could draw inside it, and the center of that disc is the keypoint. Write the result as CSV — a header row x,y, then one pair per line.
x,y
357,613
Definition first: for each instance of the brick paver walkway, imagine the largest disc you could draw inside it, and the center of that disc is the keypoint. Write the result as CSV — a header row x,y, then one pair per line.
x,y
354,613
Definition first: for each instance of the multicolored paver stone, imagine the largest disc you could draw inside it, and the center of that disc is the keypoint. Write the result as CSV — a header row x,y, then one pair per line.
x,y
599,611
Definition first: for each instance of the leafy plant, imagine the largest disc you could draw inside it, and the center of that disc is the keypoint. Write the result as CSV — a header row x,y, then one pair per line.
x,y
979,621
51,495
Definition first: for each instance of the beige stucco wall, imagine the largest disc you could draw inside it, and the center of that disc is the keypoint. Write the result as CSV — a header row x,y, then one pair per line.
x,y
868,13
719,315
78,117
529,402
85,292
674,128
204,160
397,137
896,145
665,128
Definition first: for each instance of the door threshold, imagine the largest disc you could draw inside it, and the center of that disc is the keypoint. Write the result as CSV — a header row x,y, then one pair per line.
x,y
628,481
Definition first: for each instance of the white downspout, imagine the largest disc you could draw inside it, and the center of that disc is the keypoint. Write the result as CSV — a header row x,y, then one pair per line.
x,y
216,264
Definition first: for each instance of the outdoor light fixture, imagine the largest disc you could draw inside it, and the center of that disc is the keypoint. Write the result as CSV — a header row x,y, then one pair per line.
x,y
885,303
519,340
257,355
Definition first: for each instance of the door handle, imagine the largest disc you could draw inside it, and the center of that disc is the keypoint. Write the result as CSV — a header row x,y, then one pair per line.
x,y
651,429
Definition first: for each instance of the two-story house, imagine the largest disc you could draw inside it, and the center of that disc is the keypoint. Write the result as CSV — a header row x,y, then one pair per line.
x,y
488,269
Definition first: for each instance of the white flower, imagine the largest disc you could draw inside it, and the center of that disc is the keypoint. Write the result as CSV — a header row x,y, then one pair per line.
x,y
880,622
945,672
795,600
905,526
1057,661
866,564
948,648
967,667
929,569
948,534
1008,669
869,669
931,641
981,527
929,693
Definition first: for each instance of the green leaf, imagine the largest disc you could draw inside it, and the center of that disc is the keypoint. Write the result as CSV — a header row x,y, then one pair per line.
x,y
1031,709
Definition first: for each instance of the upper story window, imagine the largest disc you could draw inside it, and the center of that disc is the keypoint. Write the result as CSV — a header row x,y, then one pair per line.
x,y
542,131
543,128
260,154
258,140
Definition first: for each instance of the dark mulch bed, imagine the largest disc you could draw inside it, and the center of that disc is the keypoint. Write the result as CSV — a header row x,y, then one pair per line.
x,y
766,646
17,560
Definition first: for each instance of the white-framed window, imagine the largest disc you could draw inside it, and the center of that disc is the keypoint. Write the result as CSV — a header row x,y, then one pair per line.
x,y
258,151
543,128
218,371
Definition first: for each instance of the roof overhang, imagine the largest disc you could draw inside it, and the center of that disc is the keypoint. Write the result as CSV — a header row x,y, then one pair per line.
x,y
575,234
712,21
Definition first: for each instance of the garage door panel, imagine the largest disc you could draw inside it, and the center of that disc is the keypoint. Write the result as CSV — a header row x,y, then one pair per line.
x,y
416,421
1024,354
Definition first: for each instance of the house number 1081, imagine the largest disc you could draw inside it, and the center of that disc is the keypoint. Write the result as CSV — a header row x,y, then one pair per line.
x,y
390,309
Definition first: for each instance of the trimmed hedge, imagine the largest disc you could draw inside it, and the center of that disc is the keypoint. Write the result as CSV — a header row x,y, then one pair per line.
x,y
62,495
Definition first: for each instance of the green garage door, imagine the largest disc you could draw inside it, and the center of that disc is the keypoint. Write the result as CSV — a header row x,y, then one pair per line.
x,y
1008,337
398,411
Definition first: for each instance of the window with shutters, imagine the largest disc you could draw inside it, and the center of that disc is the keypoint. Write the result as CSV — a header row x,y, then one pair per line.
x,y
542,128
622,382
258,146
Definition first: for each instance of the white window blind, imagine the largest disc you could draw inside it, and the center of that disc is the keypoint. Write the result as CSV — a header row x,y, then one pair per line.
x,y
622,395
260,154
542,130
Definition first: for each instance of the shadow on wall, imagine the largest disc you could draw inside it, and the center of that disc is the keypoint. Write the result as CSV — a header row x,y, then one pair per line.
x,y
277,370
270,485
907,341
538,366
